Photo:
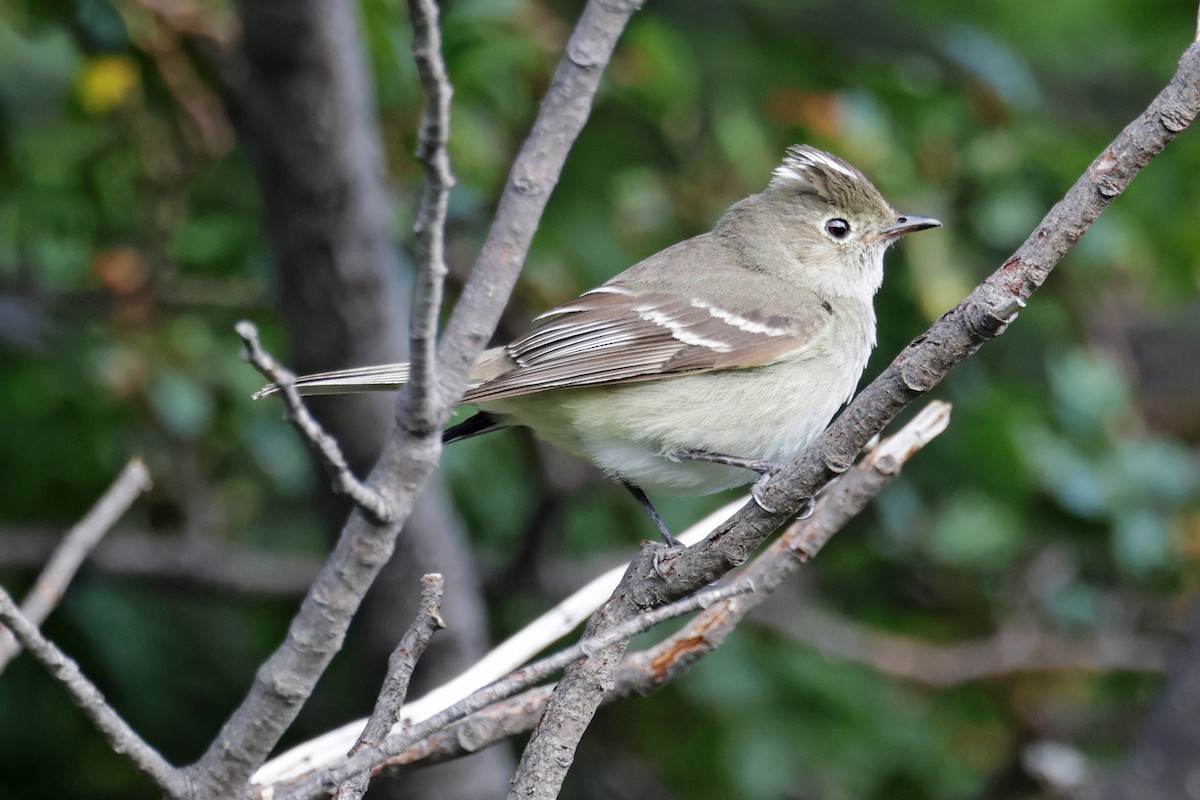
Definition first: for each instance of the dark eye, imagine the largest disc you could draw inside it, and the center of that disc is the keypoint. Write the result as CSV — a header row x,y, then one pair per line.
x,y
838,228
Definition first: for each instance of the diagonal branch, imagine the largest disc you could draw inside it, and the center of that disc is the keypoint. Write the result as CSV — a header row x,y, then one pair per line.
x,y
670,659
75,546
983,315
122,738
430,226
523,678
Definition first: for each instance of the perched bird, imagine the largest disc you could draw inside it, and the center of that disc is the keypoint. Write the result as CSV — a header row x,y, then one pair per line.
x,y
709,364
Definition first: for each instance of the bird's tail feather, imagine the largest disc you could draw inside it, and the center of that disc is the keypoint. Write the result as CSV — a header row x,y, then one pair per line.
x,y
386,377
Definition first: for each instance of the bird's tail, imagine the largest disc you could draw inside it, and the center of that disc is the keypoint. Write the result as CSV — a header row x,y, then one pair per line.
x,y
383,378
380,379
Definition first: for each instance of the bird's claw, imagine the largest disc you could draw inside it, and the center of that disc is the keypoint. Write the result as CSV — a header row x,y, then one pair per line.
x,y
757,491
663,551
758,494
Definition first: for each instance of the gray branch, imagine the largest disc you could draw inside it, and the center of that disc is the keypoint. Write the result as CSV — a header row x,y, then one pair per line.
x,y
534,173
313,786
983,315
430,226
122,738
70,554
395,685
648,671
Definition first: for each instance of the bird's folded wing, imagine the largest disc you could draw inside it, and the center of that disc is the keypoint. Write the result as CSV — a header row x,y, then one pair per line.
x,y
618,334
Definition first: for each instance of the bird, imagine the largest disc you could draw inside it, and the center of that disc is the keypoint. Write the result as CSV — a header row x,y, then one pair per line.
x,y
709,365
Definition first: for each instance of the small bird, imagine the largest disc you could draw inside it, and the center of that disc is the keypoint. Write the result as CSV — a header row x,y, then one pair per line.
x,y
710,364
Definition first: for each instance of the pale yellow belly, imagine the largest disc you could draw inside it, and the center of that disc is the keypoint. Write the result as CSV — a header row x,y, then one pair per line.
x,y
630,431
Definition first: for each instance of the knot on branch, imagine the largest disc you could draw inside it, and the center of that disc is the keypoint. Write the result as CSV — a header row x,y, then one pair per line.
x,y
586,54
1174,118
837,463
1105,175
918,377
987,321
526,185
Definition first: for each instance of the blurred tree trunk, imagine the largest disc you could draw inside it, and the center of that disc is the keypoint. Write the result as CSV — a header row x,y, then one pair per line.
x,y
307,110
1165,761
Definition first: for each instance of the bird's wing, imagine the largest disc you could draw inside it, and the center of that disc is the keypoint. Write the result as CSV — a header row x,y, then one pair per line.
x,y
621,334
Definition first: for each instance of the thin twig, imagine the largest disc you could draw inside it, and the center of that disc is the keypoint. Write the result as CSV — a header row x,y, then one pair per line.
x,y
70,554
842,499
395,686
430,227
121,737
314,785
326,447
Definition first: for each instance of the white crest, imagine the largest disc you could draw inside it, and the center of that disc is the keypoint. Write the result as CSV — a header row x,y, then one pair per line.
x,y
801,159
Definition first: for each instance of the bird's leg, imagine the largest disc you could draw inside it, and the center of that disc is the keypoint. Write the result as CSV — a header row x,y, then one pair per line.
x,y
640,496
765,469
758,465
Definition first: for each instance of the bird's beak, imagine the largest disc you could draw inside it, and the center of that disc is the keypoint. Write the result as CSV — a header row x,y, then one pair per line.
x,y
908,223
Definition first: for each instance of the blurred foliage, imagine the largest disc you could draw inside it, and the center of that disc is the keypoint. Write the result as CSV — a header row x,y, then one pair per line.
x,y
130,241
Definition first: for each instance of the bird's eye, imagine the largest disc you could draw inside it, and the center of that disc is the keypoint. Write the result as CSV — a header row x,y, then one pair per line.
x,y
838,228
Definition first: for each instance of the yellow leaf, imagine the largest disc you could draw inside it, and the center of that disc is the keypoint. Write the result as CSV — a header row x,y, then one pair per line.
x,y
108,82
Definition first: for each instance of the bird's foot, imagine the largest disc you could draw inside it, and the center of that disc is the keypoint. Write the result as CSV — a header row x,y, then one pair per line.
x,y
758,494
670,543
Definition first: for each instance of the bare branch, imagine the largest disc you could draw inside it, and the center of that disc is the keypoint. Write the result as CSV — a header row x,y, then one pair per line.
x,y
329,748
326,447
74,549
551,750
849,494
395,685
983,315
534,173
122,738
520,679
430,226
